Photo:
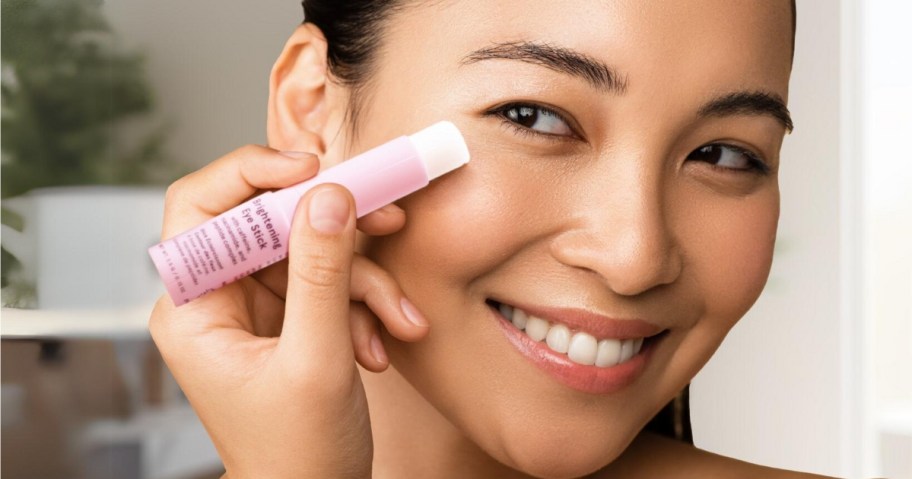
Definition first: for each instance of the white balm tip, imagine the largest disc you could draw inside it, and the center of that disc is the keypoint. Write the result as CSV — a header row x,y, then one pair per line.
x,y
442,148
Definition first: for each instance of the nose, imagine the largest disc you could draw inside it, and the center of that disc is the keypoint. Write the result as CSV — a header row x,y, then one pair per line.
x,y
622,233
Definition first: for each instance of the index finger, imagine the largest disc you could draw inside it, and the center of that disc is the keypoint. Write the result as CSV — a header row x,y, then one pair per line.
x,y
229,181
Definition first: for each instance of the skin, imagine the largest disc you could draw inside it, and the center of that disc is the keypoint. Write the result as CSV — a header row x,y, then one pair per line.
x,y
616,217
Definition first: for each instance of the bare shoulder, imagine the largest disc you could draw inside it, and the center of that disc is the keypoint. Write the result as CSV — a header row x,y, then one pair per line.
x,y
651,455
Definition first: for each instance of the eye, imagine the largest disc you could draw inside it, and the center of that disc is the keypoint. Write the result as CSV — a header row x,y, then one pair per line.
x,y
729,159
534,119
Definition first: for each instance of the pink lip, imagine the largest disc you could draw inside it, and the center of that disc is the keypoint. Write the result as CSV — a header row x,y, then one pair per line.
x,y
588,379
601,327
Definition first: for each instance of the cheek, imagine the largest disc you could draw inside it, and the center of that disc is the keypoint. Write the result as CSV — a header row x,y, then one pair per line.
x,y
459,231
459,228
727,247
728,244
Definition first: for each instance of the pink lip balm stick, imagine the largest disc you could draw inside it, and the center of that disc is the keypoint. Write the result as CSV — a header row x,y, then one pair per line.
x,y
253,235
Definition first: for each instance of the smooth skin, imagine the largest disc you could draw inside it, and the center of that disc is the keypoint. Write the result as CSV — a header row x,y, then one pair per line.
x,y
604,207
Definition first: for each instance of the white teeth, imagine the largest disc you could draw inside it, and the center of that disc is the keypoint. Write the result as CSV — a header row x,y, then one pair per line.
x,y
558,338
626,349
580,347
520,319
609,351
537,328
506,311
583,348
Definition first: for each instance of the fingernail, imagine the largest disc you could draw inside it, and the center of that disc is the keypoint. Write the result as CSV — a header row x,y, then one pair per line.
x,y
411,312
296,154
328,211
377,349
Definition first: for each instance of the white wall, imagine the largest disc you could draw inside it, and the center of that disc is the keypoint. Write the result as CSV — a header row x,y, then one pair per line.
x,y
888,124
209,63
887,116
783,388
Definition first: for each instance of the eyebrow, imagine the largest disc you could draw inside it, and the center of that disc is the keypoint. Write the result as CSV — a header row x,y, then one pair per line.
x,y
563,60
606,78
749,103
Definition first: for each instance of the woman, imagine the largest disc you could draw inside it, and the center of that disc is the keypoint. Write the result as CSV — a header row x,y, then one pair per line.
x,y
620,209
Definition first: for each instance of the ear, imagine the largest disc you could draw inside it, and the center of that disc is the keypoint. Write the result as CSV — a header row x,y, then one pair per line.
x,y
298,110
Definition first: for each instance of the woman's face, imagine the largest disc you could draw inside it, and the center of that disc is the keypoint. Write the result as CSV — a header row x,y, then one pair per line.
x,y
592,187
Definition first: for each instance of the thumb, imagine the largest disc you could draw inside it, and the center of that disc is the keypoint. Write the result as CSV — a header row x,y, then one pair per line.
x,y
321,246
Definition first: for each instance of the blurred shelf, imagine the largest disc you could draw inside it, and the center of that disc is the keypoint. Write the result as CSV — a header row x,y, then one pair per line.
x,y
126,323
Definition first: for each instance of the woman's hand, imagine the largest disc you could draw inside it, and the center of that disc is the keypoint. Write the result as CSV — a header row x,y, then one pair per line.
x,y
269,362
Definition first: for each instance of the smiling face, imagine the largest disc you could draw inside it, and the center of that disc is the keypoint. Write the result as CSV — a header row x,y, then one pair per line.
x,y
624,165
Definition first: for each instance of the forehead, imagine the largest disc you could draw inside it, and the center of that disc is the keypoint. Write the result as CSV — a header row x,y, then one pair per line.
x,y
709,44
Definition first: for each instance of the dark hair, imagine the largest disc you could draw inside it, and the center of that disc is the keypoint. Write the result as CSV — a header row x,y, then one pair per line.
x,y
353,31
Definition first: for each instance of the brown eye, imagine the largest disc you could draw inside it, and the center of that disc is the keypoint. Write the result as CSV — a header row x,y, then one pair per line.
x,y
728,158
524,115
536,118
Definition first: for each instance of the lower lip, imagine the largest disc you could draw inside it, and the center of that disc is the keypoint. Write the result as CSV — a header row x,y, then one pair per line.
x,y
588,379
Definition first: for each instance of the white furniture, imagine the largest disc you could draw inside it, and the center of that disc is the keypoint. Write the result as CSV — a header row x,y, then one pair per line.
x,y
165,442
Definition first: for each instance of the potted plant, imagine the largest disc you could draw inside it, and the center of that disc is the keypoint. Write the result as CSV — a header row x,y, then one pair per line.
x,y
68,88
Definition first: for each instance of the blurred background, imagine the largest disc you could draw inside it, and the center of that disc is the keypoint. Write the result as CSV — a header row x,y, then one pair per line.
x,y
105,103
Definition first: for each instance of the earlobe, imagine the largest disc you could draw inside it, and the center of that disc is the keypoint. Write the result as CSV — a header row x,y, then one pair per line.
x,y
297,110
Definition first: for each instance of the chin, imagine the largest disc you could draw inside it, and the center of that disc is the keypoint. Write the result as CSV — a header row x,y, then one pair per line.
x,y
561,463
559,453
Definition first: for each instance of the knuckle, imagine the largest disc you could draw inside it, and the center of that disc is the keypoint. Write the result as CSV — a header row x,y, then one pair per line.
x,y
251,149
174,192
380,279
156,323
376,280
318,270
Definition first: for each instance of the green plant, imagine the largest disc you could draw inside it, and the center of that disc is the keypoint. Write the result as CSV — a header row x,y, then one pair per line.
x,y
66,87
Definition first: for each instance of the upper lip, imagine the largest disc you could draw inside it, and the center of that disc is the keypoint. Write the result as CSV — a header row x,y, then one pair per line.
x,y
598,325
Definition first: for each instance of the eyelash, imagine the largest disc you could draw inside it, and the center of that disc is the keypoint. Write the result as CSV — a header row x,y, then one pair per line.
x,y
756,165
520,130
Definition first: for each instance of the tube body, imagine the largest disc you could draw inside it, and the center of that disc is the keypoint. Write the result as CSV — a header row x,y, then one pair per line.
x,y
255,234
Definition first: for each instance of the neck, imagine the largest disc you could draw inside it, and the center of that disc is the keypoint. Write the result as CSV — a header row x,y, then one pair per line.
x,y
412,438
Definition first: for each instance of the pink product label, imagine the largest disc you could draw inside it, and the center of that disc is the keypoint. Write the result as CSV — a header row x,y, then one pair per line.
x,y
226,248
